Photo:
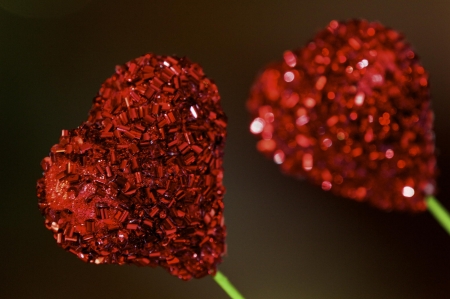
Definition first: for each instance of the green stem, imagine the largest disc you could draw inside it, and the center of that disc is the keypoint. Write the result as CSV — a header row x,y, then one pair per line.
x,y
439,212
226,285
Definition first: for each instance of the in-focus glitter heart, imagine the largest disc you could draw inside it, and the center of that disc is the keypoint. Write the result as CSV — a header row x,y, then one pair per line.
x,y
351,112
141,180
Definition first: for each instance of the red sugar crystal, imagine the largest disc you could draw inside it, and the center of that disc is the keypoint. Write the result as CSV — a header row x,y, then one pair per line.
x,y
141,180
351,113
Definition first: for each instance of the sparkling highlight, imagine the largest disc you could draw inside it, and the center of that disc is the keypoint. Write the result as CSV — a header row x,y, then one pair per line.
x,y
408,191
278,157
363,122
288,76
140,182
257,125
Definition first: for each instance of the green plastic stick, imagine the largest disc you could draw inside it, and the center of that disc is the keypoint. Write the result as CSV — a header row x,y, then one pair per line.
x,y
439,212
226,285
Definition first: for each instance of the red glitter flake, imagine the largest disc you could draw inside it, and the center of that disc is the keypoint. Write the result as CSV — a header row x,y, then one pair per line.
x,y
141,180
362,124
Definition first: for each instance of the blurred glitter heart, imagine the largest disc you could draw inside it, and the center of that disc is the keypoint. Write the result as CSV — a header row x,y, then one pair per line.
x,y
141,180
350,112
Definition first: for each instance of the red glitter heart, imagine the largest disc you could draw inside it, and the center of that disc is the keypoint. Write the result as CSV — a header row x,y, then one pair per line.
x,y
351,112
141,181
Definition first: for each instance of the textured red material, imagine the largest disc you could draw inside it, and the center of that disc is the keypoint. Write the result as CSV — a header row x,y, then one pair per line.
x,y
351,112
141,180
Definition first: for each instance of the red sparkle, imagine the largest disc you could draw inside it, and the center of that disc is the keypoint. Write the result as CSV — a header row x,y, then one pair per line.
x,y
363,123
141,180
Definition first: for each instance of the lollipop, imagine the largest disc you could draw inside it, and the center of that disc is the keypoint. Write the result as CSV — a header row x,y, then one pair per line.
x,y
351,113
140,182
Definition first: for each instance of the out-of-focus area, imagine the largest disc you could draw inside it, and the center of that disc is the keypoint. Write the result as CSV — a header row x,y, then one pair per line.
x,y
43,8
286,238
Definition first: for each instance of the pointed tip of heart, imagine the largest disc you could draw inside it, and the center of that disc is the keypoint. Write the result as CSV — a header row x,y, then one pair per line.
x,y
351,112
140,182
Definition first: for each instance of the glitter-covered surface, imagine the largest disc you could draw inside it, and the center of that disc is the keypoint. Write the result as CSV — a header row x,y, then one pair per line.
x,y
351,112
141,180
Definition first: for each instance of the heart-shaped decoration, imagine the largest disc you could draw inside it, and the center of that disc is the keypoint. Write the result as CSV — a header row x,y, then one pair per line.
x,y
141,181
351,112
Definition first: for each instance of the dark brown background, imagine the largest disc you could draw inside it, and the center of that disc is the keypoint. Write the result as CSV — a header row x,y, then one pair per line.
x,y
286,239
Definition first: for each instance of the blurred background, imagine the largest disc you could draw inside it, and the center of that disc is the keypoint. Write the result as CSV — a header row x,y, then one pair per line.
x,y
286,238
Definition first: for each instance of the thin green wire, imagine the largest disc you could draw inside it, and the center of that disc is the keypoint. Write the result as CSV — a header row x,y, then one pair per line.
x,y
439,212
434,206
226,285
